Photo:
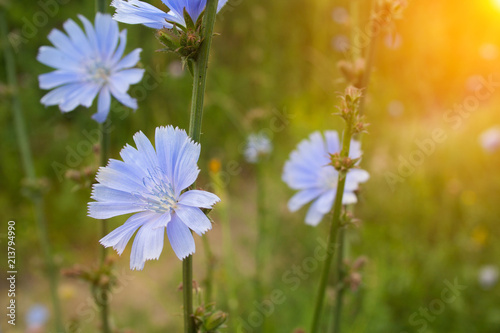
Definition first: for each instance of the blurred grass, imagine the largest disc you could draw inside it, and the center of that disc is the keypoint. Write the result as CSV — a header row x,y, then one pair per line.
x,y
439,224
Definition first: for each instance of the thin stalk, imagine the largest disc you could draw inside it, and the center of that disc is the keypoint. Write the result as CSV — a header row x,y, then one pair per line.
x,y
102,298
261,232
332,237
197,103
104,153
29,171
102,293
100,6
187,291
200,71
339,286
261,241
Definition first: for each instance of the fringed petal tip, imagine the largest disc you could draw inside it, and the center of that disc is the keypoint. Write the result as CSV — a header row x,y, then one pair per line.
x,y
177,129
186,255
140,266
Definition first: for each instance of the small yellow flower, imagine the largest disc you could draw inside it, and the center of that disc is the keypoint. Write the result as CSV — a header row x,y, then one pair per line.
x,y
214,165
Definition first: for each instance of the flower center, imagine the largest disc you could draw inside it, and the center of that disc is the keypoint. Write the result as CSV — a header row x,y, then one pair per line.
x,y
98,72
160,197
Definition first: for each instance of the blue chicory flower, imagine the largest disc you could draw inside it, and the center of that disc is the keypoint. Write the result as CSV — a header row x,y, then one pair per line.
x,y
309,171
258,145
89,62
36,317
151,183
139,12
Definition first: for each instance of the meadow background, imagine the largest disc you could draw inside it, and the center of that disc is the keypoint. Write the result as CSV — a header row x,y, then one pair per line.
x,y
274,67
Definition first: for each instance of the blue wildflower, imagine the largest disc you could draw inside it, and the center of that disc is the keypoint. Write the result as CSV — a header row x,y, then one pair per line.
x,y
258,145
308,171
139,12
150,183
88,63
37,317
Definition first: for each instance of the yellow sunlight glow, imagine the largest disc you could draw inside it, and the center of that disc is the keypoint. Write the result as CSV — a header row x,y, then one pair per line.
x,y
497,3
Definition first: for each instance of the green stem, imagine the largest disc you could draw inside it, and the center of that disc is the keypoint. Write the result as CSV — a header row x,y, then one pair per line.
x,y
187,290
29,171
261,240
261,237
200,71
102,298
334,230
104,150
339,285
100,6
102,294
197,103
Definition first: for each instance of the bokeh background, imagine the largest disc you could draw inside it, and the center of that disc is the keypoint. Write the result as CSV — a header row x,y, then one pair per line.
x,y
274,68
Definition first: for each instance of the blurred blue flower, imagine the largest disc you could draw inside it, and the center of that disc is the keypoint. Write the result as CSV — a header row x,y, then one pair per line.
x,y
139,12
88,63
37,316
150,183
258,145
308,171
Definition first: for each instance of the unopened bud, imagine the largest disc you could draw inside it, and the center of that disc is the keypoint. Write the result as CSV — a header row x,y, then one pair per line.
x,y
342,163
215,320
352,94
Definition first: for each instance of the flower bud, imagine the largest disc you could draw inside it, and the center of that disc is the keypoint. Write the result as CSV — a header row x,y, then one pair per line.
x,y
185,41
342,163
215,320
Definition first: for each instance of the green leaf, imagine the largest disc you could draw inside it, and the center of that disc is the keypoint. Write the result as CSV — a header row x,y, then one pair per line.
x,y
189,20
